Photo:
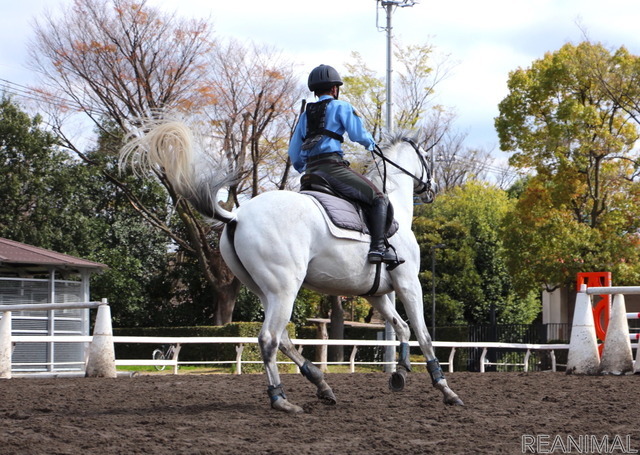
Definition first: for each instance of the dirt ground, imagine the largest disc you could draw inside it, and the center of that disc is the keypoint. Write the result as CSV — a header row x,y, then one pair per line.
x,y
228,414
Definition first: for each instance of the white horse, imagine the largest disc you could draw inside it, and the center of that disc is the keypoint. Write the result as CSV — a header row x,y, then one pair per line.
x,y
280,241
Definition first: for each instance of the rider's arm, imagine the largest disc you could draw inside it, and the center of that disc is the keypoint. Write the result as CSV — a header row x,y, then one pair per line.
x,y
353,126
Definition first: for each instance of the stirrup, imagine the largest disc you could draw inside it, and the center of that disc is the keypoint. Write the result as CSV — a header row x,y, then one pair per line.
x,y
386,256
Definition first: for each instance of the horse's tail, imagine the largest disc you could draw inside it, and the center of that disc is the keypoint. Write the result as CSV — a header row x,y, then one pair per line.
x,y
168,148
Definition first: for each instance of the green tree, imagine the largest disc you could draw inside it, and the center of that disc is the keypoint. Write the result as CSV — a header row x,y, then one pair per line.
x,y
54,201
366,91
29,158
577,213
44,202
473,284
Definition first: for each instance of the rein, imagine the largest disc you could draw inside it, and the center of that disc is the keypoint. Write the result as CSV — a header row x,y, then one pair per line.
x,y
424,185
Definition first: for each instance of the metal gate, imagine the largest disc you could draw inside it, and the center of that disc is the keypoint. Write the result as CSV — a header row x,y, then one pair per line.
x,y
46,356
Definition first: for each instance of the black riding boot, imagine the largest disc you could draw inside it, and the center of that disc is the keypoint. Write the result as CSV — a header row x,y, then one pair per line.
x,y
378,251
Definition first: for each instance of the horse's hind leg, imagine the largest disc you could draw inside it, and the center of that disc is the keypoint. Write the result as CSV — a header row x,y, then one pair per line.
x,y
308,370
269,339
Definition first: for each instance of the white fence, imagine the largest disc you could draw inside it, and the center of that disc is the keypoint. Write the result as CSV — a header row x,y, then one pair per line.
x,y
300,343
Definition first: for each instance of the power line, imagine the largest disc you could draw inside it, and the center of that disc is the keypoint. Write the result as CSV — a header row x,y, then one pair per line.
x,y
32,94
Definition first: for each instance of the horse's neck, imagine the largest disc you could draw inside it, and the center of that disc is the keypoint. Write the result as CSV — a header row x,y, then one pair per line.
x,y
401,196
400,192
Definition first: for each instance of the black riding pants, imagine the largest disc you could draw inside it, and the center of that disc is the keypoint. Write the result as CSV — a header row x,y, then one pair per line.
x,y
349,183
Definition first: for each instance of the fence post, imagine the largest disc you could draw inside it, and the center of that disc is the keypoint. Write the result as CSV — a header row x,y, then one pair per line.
x,y
5,345
352,358
482,357
451,356
239,349
176,352
526,360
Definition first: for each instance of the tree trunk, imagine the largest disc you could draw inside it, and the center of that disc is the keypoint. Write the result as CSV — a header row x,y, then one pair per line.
x,y
226,301
336,330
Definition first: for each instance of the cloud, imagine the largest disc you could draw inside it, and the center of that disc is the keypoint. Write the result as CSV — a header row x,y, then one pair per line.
x,y
485,40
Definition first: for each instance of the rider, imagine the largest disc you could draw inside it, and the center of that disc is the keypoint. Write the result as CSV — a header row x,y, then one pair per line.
x,y
315,148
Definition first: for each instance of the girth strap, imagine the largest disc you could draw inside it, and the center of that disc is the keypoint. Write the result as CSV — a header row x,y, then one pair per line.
x,y
376,281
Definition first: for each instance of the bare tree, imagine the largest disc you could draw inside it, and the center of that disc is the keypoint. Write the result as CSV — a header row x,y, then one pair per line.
x,y
256,95
122,59
417,77
453,162
366,92
118,61
417,83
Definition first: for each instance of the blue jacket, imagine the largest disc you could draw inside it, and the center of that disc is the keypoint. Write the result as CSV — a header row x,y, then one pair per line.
x,y
340,117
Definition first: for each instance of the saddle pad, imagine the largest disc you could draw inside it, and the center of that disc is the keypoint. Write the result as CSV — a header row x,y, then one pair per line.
x,y
343,214
339,213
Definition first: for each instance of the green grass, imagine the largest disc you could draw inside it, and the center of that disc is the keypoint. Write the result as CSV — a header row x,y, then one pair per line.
x,y
198,369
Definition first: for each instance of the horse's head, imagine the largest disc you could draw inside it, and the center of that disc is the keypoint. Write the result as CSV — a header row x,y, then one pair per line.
x,y
423,187
409,158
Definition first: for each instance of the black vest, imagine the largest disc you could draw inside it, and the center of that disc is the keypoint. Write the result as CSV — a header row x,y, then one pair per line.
x,y
316,113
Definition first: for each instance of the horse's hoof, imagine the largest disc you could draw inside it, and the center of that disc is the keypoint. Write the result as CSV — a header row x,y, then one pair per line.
x,y
397,380
284,405
327,397
453,401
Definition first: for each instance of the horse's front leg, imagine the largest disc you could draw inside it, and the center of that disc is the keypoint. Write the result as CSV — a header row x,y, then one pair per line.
x,y
308,370
385,304
412,300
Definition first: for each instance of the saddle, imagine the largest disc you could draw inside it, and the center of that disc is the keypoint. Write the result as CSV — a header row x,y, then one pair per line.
x,y
343,213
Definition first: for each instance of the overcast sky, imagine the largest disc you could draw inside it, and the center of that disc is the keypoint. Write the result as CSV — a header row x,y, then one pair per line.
x,y
483,40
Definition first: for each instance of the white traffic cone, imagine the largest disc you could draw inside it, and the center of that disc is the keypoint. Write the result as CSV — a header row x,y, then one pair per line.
x,y
617,357
102,357
5,345
583,347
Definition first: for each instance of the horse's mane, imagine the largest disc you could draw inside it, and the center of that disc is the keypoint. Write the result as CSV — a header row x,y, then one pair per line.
x,y
390,143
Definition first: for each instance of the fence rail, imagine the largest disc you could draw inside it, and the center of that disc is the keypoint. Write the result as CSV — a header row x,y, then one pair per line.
x,y
241,341
527,348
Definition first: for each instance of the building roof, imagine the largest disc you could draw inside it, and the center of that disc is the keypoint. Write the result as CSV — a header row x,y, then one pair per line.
x,y
16,256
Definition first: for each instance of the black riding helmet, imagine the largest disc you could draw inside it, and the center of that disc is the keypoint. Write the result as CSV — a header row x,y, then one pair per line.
x,y
323,77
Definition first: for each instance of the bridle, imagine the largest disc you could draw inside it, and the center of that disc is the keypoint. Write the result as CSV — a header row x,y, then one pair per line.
x,y
424,184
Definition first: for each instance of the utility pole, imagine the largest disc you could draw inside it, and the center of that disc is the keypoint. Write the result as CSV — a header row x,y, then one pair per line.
x,y
388,6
